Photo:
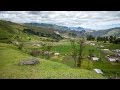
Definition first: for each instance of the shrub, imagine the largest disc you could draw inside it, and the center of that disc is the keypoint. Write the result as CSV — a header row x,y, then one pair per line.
x,y
20,46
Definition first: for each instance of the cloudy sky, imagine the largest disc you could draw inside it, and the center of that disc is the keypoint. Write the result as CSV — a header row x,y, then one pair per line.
x,y
86,19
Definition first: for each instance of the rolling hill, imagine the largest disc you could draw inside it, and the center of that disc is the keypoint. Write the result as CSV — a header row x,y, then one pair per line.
x,y
107,32
10,30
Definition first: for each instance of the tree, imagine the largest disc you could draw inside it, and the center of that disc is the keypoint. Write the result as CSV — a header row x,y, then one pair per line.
x,y
20,46
74,51
111,39
117,41
91,51
80,51
90,37
46,50
104,39
77,52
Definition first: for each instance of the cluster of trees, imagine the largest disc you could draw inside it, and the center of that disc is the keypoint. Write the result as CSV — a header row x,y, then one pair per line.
x,y
72,34
111,39
102,39
90,38
77,52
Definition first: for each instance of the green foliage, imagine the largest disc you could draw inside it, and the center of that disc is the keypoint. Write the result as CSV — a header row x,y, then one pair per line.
x,y
111,39
77,52
20,46
80,52
74,50
90,38
116,41
91,51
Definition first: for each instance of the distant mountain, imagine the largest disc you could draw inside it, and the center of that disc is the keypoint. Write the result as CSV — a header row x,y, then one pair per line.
x,y
51,26
78,31
63,30
76,28
57,27
107,32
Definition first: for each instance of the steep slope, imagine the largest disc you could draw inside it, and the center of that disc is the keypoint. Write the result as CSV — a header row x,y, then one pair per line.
x,y
42,32
10,31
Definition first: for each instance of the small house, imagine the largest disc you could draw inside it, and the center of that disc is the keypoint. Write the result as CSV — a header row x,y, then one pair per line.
x,y
106,49
95,58
36,45
117,50
98,71
92,44
56,54
113,58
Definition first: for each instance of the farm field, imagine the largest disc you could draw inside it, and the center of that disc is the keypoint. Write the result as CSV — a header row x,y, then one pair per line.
x,y
9,68
64,63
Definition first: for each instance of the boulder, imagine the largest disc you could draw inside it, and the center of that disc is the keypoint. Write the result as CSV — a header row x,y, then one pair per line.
x,y
29,62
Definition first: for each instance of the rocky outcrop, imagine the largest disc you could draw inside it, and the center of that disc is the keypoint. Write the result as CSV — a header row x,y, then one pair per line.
x,y
29,62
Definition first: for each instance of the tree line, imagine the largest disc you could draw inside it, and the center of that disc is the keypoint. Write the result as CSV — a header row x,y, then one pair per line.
x,y
110,39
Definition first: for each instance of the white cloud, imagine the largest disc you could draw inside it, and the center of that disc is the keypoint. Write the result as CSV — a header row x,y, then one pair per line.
x,y
90,19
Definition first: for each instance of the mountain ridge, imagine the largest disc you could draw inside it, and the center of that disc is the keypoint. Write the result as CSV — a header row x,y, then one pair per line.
x,y
79,31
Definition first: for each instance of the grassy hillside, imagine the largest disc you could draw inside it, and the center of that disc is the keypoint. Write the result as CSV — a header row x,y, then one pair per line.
x,y
42,32
9,68
11,31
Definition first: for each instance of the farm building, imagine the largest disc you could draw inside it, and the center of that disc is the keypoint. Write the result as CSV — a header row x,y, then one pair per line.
x,y
92,44
95,58
56,54
116,50
98,71
36,45
113,58
105,49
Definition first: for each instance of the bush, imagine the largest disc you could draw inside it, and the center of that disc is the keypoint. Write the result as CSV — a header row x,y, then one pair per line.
x,y
20,46
90,37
